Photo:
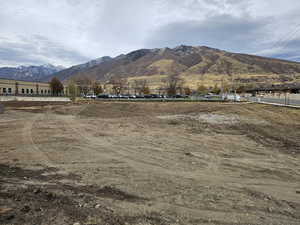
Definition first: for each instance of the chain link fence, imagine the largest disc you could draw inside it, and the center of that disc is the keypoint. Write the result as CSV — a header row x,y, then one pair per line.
x,y
276,101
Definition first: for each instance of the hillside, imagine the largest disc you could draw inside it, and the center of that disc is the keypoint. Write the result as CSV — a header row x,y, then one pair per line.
x,y
29,73
78,69
194,65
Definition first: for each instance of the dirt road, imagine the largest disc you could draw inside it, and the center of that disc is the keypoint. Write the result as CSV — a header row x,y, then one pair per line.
x,y
150,163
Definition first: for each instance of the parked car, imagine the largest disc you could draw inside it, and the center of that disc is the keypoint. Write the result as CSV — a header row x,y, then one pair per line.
x,y
178,96
211,95
155,96
104,96
231,97
90,96
125,96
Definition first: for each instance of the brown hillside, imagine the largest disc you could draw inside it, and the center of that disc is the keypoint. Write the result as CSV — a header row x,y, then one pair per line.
x,y
194,65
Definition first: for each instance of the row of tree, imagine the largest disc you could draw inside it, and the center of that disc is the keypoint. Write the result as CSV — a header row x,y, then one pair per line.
x,y
85,85
172,85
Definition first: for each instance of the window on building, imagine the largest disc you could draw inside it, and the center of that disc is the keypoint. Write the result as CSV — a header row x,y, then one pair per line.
x,y
4,90
9,90
23,91
42,91
48,91
27,91
31,91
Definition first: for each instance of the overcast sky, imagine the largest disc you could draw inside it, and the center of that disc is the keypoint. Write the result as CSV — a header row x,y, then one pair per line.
x,y
69,32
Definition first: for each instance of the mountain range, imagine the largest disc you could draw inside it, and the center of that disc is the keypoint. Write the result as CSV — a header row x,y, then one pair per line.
x,y
195,65
29,73
65,74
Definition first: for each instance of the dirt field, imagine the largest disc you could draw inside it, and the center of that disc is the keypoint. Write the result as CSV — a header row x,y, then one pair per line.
x,y
149,163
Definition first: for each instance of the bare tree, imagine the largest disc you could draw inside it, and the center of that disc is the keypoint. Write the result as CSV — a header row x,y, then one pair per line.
x,y
141,87
241,89
187,91
225,87
73,90
202,89
227,68
173,84
84,83
118,85
161,90
216,89
97,88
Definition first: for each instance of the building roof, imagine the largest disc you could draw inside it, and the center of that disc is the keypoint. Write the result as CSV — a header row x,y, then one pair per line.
x,y
34,82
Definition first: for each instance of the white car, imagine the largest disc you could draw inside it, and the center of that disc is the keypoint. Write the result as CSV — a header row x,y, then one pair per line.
x,y
231,97
90,96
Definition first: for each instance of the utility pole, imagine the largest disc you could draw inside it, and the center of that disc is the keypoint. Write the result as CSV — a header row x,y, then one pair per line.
x,y
285,98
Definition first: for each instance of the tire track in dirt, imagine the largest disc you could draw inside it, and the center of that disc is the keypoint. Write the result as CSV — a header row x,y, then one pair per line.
x,y
41,155
67,151
110,145
107,147
66,122
31,147
135,160
93,148
133,154
130,157
213,216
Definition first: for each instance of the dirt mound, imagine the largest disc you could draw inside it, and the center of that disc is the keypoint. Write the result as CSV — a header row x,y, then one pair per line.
x,y
111,192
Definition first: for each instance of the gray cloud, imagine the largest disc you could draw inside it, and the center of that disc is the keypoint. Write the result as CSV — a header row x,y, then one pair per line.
x,y
223,31
73,31
289,50
36,50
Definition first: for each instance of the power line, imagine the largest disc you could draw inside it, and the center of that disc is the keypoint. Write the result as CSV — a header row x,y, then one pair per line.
x,y
291,38
286,36
283,41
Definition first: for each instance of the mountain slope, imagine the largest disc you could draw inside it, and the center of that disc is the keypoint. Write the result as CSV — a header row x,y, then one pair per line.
x,y
78,69
29,73
193,64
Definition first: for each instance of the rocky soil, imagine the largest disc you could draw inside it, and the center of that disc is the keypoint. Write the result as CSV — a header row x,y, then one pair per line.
x,y
149,163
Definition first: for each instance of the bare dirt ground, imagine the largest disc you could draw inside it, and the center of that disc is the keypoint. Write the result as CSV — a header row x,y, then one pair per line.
x,y
149,163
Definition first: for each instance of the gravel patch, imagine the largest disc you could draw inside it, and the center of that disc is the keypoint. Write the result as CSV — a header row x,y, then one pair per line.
x,y
213,118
